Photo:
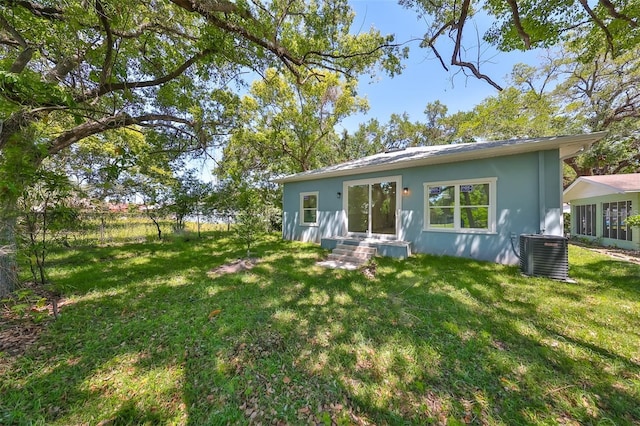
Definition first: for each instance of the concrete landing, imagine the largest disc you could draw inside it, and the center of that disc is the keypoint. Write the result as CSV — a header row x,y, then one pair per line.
x,y
335,264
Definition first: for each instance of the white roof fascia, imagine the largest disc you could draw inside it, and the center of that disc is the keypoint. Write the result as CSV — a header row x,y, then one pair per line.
x,y
569,146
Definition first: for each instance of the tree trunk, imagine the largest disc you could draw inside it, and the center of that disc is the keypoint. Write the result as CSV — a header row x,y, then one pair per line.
x,y
8,272
198,222
8,265
157,224
102,227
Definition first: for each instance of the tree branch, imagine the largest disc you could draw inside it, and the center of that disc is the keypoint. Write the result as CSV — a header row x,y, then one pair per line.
x,y
27,51
455,58
599,23
63,68
111,87
9,42
435,51
21,61
14,33
220,6
283,54
348,56
627,110
107,64
613,12
516,21
635,159
140,30
438,33
46,12
117,121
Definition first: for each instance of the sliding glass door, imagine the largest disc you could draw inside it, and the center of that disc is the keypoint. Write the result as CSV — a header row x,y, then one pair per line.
x,y
371,206
358,208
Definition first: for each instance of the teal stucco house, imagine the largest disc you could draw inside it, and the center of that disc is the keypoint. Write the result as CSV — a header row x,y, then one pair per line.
x,y
470,200
600,206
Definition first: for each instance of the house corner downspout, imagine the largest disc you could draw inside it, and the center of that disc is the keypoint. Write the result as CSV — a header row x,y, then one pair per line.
x,y
542,193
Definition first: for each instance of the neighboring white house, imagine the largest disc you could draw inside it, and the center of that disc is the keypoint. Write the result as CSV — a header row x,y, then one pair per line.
x,y
600,206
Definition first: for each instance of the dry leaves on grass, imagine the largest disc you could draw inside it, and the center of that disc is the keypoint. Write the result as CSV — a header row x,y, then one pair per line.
x,y
20,328
16,337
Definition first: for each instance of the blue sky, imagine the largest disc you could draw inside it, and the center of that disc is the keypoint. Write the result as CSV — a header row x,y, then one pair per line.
x,y
424,79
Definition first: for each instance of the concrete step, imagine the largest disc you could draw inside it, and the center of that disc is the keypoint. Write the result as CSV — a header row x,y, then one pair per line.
x,y
358,254
347,259
356,249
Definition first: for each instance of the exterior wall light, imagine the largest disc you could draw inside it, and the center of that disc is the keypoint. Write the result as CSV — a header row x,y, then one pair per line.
x,y
405,191
339,194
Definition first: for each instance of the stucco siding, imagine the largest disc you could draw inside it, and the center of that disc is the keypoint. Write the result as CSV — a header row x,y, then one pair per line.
x,y
520,205
330,215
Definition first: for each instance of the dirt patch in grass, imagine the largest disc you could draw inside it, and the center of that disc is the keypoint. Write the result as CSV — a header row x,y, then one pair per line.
x,y
233,267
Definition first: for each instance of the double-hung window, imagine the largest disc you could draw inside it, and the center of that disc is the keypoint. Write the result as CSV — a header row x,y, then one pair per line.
x,y
309,208
461,206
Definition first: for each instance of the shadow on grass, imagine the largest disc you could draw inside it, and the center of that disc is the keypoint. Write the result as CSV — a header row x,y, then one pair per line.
x,y
429,340
612,275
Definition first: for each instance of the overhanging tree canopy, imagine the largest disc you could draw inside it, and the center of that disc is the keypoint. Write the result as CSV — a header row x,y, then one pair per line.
x,y
77,68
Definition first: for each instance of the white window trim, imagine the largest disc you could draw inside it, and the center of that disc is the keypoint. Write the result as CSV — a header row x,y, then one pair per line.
x,y
492,181
302,195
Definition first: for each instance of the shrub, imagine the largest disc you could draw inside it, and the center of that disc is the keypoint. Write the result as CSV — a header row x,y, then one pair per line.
x,y
634,221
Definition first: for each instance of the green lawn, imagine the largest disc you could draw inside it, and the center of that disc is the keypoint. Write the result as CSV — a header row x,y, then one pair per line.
x,y
148,337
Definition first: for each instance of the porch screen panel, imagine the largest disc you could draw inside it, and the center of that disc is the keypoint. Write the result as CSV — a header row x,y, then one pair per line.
x,y
592,220
383,208
622,218
629,228
614,220
606,223
358,208
585,219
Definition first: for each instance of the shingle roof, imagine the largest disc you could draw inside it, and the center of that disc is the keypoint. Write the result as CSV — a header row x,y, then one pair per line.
x,y
595,186
439,154
629,182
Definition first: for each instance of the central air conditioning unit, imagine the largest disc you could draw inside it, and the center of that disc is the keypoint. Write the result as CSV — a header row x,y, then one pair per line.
x,y
544,256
